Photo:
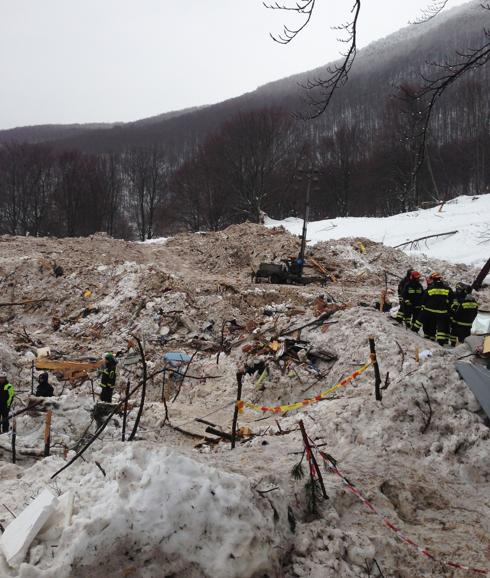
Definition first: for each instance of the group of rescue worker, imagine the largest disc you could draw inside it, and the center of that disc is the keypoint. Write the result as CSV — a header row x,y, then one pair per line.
x,y
444,315
107,383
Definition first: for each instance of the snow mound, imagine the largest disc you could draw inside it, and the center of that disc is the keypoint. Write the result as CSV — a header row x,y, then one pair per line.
x,y
160,511
466,215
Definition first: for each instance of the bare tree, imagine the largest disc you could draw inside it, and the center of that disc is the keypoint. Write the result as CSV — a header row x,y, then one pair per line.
x,y
146,170
321,90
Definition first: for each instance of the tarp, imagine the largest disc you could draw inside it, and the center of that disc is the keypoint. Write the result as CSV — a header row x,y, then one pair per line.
x,y
481,325
177,356
477,377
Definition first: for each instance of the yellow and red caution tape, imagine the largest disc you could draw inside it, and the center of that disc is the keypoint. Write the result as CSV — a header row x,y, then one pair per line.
x,y
242,405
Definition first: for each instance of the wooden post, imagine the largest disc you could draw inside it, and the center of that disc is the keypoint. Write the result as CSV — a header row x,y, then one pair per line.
x,y
14,435
125,411
219,433
239,378
47,433
311,458
478,282
382,300
377,375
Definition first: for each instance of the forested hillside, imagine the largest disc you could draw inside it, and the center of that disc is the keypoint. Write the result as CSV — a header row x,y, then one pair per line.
x,y
206,168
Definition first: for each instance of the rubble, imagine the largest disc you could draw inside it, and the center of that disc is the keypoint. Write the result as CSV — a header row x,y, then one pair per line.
x,y
199,317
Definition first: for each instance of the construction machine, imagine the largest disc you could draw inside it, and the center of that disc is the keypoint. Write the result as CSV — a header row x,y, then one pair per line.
x,y
290,271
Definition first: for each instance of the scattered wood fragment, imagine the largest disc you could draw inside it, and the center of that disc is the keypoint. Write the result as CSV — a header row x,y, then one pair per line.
x,y
221,434
100,468
71,370
402,353
192,434
387,381
415,241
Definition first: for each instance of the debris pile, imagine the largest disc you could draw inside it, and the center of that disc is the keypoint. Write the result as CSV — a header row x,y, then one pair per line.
x,y
210,338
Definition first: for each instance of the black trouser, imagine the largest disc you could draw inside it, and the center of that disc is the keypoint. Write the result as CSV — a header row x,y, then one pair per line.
x,y
459,333
436,326
106,394
400,316
411,313
4,413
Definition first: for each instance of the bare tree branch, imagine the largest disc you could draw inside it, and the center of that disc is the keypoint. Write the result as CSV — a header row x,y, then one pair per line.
x,y
302,7
338,74
143,389
432,10
435,87
322,89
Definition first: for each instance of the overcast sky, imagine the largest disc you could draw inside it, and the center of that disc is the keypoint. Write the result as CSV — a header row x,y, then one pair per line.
x,y
64,61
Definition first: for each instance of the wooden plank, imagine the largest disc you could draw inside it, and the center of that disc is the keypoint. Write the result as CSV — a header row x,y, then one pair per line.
x,y
72,370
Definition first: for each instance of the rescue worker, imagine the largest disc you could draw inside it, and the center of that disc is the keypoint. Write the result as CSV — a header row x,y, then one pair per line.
x,y
464,309
44,388
434,314
108,378
6,397
411,297
400,316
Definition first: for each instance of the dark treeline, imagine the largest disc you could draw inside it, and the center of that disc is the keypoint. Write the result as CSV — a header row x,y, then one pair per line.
x,y
70,193
253,163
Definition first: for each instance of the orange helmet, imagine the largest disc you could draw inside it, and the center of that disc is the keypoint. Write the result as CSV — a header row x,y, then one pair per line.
x,y
435,276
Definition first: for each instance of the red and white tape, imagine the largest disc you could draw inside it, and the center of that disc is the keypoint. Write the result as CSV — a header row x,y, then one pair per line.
x,y
331,466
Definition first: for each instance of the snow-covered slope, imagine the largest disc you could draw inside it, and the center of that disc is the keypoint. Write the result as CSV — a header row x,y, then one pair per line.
x,y
469,216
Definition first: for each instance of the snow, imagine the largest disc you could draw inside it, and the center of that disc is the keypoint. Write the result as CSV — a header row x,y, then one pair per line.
x,y
20,533
168,511
470,216
155,241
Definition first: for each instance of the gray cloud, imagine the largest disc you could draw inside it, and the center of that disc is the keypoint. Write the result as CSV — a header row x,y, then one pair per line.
x,y
64,61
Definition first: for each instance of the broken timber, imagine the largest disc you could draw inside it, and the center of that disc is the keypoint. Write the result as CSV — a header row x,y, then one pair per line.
x,y
414,241
71,370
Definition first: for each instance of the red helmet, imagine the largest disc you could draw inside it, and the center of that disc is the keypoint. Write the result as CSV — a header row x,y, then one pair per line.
x,y
414,275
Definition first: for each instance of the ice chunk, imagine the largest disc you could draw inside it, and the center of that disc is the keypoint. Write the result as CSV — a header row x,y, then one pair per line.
x,y
20,533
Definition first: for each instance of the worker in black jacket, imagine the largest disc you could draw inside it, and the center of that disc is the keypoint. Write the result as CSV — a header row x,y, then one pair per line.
x,y
434,314
6,398
400,316
412,297
44,388
108,378
464,309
